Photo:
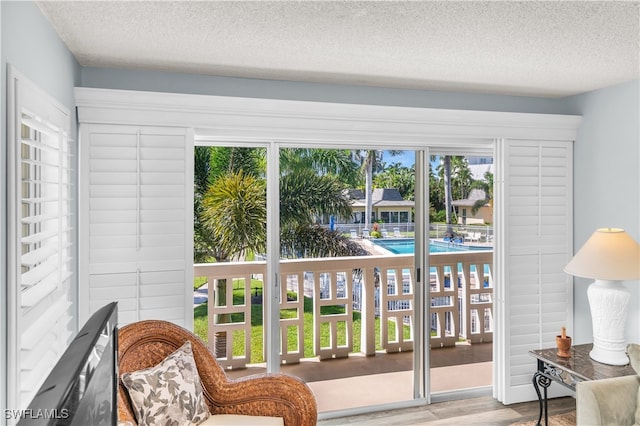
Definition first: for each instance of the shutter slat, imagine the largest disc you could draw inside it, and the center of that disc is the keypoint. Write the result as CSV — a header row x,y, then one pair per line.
x,y
39,218
34,257
33,295
41,126
38,144
38,237
37,274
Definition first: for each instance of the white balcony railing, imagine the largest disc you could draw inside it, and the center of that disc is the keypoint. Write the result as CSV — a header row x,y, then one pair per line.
x,y
461,290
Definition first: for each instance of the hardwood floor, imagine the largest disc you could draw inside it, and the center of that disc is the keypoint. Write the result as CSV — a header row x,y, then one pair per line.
x,y
484,411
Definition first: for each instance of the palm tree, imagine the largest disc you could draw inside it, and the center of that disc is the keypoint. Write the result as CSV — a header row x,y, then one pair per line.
x,y
399,177
335,162
313,240
436,193
454,167
235,212
203,244
233,159
463,178
448,198
305,195
371,160
485,185
201,168
210,164
234,209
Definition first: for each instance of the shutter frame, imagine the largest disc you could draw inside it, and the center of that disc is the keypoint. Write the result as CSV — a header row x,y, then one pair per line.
x,y
535,216
136,201
40,236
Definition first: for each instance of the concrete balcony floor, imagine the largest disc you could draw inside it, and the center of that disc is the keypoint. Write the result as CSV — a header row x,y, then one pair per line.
x,y
360,381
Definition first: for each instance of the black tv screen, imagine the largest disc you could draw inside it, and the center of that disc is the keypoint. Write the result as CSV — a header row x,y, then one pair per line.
x,y
81,388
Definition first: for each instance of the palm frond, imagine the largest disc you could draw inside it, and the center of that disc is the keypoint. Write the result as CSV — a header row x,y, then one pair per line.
x,y
304,195
234,209
315,241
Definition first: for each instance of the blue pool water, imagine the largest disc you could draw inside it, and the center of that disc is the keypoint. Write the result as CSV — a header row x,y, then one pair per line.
x,y
407,245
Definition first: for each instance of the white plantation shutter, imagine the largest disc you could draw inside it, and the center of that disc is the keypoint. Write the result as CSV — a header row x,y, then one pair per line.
x,y
534,200
40,229
137,224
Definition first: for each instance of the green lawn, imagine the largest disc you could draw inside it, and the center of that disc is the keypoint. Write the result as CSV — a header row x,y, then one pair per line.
x,y
201,327
199,282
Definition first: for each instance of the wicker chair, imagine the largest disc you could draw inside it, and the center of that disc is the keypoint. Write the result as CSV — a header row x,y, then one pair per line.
x,y
146,343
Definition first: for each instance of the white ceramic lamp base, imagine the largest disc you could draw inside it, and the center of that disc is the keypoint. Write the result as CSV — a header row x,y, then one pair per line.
x,y
609,301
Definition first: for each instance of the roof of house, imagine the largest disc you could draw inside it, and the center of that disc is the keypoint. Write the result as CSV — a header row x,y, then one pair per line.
x,y
381,197
386,194
354,194
474,195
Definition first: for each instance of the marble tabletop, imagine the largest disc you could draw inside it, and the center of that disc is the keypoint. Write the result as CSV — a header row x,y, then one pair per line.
x,y
580,364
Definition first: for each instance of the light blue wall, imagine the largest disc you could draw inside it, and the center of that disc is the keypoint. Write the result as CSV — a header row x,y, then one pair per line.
x,y
606,182
31,46
272,89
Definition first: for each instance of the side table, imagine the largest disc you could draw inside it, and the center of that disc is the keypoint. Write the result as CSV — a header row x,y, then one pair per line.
x,y
569,372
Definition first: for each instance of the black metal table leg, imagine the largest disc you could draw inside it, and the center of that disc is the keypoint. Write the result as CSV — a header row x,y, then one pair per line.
x,y
540,380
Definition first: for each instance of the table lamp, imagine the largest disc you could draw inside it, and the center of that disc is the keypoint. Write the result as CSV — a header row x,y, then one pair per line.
x,y
609,256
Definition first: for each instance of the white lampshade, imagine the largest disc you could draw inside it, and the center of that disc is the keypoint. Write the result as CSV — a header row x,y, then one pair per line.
x,y
609,254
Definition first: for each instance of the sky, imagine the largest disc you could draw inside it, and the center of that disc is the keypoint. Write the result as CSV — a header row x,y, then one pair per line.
x,y
406,158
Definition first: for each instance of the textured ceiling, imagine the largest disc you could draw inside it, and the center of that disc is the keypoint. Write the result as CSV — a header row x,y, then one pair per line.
x,y
551,48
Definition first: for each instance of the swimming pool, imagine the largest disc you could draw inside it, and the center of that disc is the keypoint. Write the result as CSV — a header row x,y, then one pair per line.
x,y
407,246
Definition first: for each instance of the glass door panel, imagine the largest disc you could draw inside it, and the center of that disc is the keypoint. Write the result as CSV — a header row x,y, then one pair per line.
x,y
348,284
229,252
461,265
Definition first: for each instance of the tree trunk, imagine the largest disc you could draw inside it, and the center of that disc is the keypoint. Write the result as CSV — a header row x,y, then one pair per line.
x,y
448,198
368,188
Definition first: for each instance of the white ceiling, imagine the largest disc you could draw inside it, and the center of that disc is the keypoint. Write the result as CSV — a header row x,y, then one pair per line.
x,y
551,48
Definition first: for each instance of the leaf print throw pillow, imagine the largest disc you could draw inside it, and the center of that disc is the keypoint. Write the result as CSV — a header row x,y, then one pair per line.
x,y
169,393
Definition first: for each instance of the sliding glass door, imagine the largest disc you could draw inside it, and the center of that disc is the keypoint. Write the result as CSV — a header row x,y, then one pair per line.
x,y
322,259
461,286
348,275
230,244
311,267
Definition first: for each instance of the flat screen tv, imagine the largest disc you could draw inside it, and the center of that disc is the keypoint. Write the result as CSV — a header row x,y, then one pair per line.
x,y
81,388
